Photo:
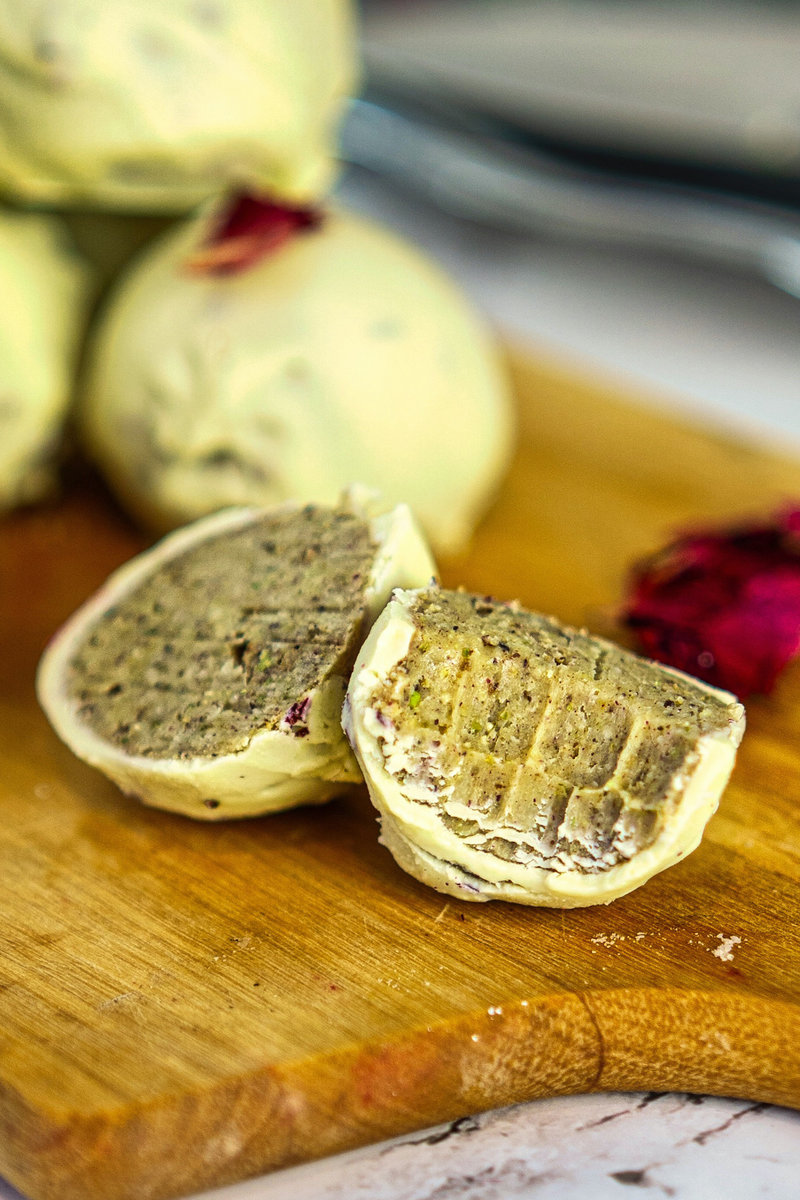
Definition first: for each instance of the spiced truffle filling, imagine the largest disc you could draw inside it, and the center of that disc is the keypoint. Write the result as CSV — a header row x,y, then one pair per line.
x,y
537,744
229,638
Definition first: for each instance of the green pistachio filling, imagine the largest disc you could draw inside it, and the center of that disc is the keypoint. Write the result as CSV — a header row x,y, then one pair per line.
x,y
228,638
536,743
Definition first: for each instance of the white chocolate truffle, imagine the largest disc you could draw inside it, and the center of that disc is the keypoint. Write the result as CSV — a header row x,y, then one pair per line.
x,y
207,675
146,105
44,298
344,355
513,758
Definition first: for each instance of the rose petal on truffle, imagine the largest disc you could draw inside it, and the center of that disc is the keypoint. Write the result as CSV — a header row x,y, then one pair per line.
x,y
724,606
248,229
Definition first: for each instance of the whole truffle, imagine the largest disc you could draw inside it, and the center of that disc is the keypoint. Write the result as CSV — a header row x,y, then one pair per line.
x,y
142,105
343,355
44,295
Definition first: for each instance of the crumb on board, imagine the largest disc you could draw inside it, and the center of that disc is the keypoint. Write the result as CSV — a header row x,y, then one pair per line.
x,y
724,951
611,939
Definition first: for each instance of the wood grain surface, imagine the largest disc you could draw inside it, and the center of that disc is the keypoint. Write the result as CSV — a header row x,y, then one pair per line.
x,y
182,1005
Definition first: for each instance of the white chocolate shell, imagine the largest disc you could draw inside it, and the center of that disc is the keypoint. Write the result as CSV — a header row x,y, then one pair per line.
x,y
267,762
343,355
45,295
512,758
153,107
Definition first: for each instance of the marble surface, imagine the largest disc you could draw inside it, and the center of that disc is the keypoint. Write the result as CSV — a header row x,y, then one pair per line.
x,y
570,1148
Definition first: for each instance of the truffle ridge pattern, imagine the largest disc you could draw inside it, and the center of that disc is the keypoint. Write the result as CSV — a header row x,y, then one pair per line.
x,y
504,750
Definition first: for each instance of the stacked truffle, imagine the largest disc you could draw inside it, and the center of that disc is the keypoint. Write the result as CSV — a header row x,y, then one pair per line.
x,y
269,346
44,288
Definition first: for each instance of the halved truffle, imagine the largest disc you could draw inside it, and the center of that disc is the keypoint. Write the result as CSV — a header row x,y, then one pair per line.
x,y
513,758
207,675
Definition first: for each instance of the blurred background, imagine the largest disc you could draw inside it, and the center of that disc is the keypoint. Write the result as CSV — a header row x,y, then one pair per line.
x,y
616,183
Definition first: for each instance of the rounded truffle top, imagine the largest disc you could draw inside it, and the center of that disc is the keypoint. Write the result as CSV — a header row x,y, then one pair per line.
x,y
343,355
141,105
512,757
44,291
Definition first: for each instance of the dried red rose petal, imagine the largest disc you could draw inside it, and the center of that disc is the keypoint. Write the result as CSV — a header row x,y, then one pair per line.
x,y
248,229
724,606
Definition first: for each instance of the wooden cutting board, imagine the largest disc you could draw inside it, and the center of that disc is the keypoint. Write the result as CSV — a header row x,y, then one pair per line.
x,y
182,1005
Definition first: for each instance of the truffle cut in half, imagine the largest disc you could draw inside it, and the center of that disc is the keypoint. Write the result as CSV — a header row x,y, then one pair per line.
x,y
207,675
513,758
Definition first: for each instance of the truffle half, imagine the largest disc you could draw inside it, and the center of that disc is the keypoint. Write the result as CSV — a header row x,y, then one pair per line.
x,y
152,106
44,297
342,355
513,758
207,675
